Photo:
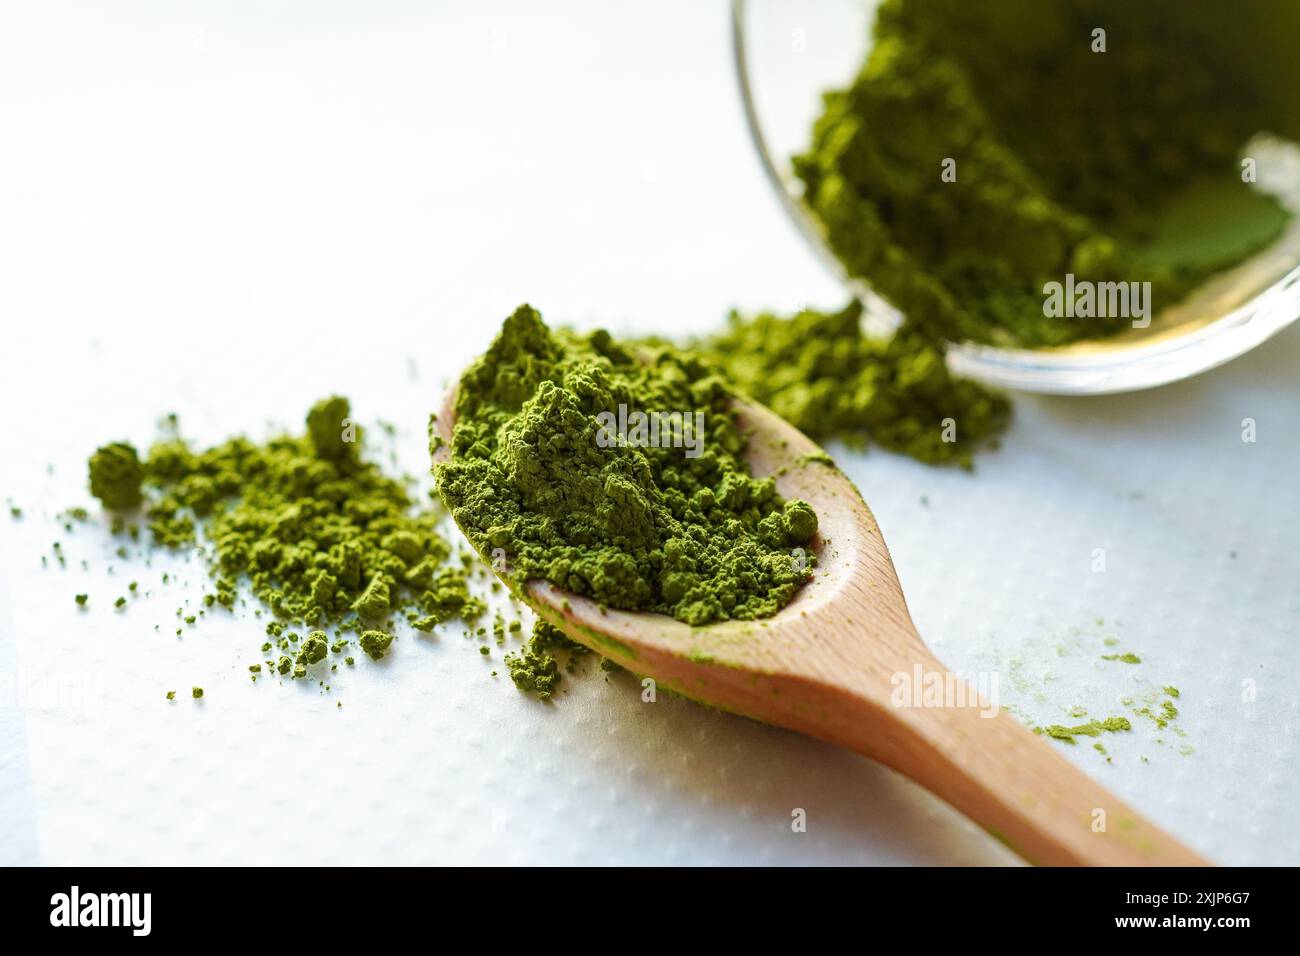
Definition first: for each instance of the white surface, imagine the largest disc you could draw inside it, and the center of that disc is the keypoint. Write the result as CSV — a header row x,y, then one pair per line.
x,y
229,212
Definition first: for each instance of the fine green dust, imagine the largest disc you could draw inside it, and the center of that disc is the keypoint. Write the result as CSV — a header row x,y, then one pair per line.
x,y
1125,707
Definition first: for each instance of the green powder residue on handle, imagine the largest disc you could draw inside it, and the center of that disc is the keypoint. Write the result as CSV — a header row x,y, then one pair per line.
x,y
986,150
555,473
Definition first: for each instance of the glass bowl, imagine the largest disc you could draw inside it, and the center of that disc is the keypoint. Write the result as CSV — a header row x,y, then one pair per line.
x,y
788,52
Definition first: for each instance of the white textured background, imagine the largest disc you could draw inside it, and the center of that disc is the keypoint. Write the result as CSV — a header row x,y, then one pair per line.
x,y
229,210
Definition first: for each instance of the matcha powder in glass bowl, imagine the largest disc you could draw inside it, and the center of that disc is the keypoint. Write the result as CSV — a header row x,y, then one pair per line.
x,y
1081,195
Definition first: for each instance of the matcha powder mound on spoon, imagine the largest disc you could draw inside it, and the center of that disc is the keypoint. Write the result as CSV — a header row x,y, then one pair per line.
x,y
618,476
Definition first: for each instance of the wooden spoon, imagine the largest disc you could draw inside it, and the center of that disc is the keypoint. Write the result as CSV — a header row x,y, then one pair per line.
x,y
829,663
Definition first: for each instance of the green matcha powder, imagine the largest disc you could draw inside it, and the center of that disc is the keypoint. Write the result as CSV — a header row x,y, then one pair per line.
x,y
984,151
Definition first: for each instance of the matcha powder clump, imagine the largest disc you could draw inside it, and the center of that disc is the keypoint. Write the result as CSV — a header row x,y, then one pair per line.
x,y
321,536
542,482
116,475
535,669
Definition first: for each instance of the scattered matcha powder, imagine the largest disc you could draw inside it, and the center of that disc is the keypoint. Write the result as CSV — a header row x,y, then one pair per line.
x,y
320,535
536,668
822,373
1160,712
1161,717
1093,728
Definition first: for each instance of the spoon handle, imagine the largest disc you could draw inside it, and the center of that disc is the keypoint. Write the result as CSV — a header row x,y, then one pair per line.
x,y
1013,783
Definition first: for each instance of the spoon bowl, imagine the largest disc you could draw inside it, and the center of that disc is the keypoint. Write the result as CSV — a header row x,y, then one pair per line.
x,y
838,663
